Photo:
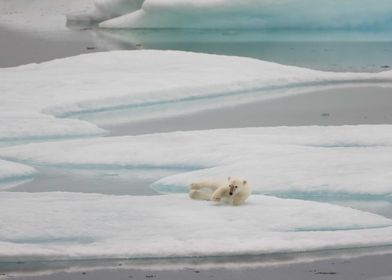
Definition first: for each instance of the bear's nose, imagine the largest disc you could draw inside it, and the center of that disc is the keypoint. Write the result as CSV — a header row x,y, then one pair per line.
x,y
230,193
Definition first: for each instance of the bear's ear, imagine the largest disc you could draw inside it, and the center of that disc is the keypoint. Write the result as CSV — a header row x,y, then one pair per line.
x,y
244,182
228,178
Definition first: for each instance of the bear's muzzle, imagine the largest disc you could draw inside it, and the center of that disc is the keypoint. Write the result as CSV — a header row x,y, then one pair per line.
x,y
231,189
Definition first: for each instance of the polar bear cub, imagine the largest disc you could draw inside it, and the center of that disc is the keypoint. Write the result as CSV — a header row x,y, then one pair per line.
x,y
234,191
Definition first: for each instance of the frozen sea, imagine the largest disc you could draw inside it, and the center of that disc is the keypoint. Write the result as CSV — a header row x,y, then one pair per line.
x,y
340,51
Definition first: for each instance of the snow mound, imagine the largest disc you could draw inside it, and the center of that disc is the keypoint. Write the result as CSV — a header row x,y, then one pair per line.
x,y
148,82
240,14
11,173
100,226
335,160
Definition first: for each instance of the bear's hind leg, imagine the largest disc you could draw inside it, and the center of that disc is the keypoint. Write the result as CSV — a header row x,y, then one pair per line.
x,y
205,185
199,195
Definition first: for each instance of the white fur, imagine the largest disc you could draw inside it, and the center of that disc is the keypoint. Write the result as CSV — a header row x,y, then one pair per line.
x,y
220,192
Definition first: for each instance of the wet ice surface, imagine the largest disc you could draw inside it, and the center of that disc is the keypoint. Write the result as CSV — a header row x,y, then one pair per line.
x,y
339,106
117,182
178,83
22,47
348,267
338,169
323,49
362,105
12,174
239,14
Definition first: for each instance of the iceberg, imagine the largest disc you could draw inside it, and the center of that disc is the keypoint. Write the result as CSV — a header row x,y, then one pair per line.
x,y
40,15
106,9
145,81
12,173
103,226
241,14
342,160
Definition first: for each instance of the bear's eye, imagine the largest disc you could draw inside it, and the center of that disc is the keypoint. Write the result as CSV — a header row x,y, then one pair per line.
x,y
236,186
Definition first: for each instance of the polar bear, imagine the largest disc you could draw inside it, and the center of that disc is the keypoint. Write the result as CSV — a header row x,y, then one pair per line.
x,y
234,191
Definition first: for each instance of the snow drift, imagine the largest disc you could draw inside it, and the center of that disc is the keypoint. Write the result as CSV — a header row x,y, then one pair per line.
x,y
87,226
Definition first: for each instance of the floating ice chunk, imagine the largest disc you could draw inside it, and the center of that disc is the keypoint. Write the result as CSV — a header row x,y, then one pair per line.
x,y
318,174
141,79
255,14
39,127
334,160
100,81
102,226
40,15
106,9
11,173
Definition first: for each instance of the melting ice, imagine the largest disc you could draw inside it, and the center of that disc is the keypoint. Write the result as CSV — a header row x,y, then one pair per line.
x,y
239,14
143,81
12,173
90,226
350,160
336,160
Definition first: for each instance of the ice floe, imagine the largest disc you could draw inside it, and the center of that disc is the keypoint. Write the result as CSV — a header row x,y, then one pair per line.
x,y
147,81
40,15
240,14
11,173
106,9
342,160
16,128
82,226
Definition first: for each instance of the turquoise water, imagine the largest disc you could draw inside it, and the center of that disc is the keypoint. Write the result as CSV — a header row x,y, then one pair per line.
x,y
336,50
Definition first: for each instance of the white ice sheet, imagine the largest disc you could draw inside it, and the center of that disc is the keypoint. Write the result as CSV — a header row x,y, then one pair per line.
x,y
78,226
240,14
144,79
351,160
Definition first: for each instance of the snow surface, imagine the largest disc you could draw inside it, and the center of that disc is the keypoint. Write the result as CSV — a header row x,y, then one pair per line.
x,y
78,226
315,160
40,127
239,14
11,172
143,80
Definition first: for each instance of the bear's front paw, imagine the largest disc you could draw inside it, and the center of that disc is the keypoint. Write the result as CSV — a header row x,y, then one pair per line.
x,y
216,198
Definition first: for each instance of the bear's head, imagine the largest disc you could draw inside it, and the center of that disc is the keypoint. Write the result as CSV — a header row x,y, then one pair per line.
x,y
235,185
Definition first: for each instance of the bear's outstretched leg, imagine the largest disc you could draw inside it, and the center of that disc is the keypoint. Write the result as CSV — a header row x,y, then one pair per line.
x,y
205,185
200,195
219,193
